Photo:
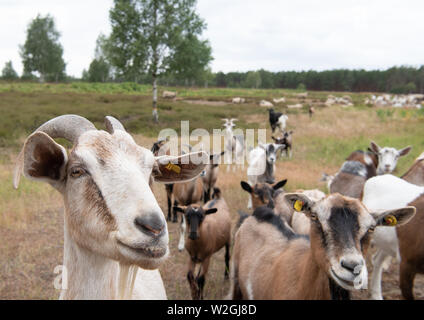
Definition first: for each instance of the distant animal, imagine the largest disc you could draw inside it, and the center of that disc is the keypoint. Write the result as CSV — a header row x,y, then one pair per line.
x,y
277,120
279,100
238,100
265,103
169,94
262,164
311,111
209,230
210,175
115,234
328,179
270,261
233,144
287,141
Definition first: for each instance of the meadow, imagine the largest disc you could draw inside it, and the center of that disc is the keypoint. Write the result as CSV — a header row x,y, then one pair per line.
x,y
31,218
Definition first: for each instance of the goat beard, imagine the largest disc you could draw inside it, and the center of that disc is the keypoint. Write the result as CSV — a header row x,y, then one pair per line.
x,y
126,280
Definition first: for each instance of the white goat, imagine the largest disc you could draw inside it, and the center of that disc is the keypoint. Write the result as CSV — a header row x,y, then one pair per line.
x,y
115,232
233,144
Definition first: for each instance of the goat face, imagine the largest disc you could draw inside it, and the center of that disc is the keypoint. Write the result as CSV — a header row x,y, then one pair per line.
x,y
110,208
388,157
271,151
340,234
263,193
194,215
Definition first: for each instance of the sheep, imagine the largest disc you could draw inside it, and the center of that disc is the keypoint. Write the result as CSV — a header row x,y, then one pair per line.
x,y
295,106
279,100
287,141
266,104
238,100
302,95
169,94
210,230
271,261
115,233
404,244
233,144
262,164
277,120
360,166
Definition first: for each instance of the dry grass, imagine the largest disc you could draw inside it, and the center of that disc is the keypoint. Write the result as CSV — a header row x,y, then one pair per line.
x,y
31,222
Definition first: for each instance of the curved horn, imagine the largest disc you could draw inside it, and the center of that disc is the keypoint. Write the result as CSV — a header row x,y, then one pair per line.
x,y
69,127
113,124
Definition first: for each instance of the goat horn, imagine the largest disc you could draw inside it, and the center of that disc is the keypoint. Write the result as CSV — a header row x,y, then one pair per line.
x,y
113,124
69,127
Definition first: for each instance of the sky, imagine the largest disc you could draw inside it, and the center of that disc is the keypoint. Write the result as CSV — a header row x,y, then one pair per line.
x,y
276,35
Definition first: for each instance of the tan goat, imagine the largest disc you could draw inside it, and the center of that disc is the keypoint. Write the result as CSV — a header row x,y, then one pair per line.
x,y
270,261
210,230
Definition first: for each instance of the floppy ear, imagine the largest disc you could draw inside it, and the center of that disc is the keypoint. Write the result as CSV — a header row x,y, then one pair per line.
x,y
395,217
279,184
404,151
246,187
179,169
299,202
210,211
181,209
42,160
374,147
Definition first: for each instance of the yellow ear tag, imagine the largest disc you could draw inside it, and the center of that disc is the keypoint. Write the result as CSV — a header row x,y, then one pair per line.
x,y
173,167
390,220
298,205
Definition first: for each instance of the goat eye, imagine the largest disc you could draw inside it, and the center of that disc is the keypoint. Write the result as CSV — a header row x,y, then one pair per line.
x,y
314,216
371,230
77,172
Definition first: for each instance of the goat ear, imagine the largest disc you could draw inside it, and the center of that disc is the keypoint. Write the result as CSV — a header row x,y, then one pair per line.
x,y
280,184
210,211
299,202
374,147
42,160
180,209
180,169
395,217
404,151
274,138
246,187
280,146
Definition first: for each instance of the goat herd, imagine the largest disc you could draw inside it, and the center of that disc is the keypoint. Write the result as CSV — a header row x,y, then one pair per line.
x,y
302,245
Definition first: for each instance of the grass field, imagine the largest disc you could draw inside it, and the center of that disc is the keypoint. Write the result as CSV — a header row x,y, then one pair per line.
x,y
31,221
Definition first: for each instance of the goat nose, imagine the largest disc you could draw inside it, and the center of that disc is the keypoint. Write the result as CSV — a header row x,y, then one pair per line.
x,y
150,224
192,235
353,266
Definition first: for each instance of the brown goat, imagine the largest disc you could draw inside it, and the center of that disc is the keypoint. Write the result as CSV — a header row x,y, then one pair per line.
x,y
287,141
358,167
209,230
270,261
211,175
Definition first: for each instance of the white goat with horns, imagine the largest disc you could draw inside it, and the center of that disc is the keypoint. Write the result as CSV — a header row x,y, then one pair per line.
x,y
234,145
115,232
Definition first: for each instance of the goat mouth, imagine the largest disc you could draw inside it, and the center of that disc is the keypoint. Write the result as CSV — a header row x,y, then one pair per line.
x,y
149,251
346,284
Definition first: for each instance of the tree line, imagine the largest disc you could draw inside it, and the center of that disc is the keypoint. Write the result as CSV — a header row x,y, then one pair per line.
x,y
159,42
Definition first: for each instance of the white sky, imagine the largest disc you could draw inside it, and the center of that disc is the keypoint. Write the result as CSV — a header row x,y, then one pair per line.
x,y
248,34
